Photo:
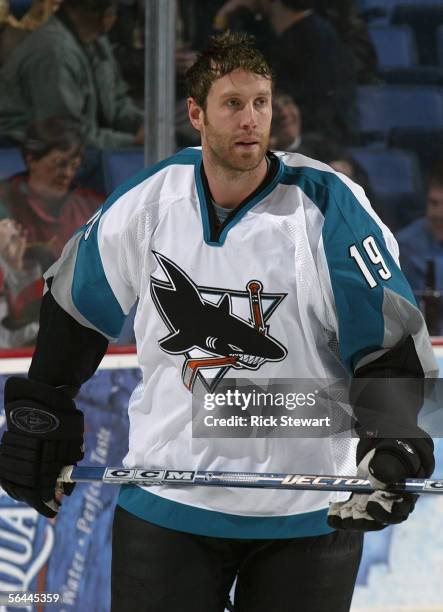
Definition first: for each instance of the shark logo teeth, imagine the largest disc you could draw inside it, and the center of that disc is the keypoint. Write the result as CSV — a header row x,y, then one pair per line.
x,y
248,360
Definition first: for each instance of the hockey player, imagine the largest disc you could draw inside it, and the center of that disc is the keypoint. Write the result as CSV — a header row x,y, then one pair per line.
x,y
193,237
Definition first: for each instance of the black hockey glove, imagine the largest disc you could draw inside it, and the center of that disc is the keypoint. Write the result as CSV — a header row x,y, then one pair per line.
x,y
384,462
45,433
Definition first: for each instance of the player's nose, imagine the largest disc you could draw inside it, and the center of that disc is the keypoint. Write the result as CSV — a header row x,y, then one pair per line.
x,y
249,116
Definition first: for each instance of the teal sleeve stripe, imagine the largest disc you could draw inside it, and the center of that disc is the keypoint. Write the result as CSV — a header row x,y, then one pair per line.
x,y
91,292
346,223
183,517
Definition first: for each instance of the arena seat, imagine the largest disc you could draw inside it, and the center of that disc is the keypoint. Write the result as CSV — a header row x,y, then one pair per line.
x,y
426,76
391,4
395,46
11,162
382,108
396,180
379,12
390,170
398,57
120,165
426,144
424,19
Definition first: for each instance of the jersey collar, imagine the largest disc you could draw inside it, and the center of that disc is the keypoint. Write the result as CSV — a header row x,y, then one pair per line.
x,y
215,234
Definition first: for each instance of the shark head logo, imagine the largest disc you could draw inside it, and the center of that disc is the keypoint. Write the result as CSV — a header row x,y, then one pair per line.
x,y
207,332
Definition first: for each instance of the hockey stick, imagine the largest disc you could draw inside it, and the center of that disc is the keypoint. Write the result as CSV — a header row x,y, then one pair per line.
x,y
146,477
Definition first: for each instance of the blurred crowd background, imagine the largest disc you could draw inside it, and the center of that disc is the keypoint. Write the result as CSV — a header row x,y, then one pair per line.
x,y
359,85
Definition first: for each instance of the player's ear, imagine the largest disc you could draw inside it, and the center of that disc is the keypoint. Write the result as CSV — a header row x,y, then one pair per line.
x,y
195,114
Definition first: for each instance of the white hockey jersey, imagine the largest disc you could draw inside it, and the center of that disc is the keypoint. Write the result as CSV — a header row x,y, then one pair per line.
x,y
327,271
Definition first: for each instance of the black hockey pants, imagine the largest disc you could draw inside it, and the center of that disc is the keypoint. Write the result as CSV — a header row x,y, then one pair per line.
x,y
160,570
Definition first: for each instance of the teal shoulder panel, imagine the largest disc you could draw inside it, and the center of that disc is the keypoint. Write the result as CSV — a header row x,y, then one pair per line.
x,y
91,292
347,224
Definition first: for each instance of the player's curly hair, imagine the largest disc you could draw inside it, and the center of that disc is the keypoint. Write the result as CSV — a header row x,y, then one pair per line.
x,y
224,53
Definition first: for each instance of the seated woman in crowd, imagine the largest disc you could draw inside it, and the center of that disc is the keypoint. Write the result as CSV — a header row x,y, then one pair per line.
x,y
40,208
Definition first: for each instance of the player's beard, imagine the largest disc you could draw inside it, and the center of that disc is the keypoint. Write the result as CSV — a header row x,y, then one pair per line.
x,y
224,153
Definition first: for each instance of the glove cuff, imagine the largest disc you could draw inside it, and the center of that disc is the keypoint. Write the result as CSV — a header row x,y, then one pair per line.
x,y
19,388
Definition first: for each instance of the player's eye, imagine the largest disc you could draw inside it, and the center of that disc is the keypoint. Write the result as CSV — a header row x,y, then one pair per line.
x,y
233,103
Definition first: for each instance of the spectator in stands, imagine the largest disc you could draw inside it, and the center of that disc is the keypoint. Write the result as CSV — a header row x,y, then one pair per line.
x,y
21,287
198,20
20,291
39,13
13,31
245,16
41,208
343,162
127,37
353,32
287,133
422,240
67,68
312,64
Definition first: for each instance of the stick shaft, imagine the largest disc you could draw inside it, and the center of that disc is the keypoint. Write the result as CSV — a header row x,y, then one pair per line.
x,y
312,482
